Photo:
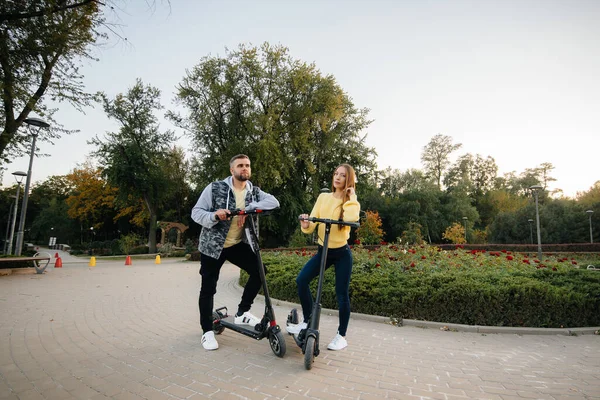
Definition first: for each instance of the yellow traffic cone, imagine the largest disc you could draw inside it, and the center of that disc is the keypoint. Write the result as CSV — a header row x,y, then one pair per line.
x,y
157,261
92,262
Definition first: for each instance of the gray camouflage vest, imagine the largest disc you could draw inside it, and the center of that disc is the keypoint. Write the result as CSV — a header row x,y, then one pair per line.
x,y
212,239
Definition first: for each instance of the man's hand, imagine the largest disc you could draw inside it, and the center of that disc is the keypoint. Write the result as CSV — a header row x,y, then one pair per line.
x,y
222,214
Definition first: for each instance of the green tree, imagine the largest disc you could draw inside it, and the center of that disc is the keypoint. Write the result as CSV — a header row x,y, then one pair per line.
x,y
42,44
46,210
412,235
133,158
176,170
435,156
295,123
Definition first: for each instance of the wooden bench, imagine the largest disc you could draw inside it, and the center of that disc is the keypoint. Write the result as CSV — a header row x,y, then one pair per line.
x,y
38,260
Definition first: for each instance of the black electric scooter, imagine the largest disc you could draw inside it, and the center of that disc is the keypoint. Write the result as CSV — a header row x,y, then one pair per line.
x,y
308,339
268,326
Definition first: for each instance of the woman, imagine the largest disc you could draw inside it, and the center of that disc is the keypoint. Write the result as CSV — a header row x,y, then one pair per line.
x,y
340,204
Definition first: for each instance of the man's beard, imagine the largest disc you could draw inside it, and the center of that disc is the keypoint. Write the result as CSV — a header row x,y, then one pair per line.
x,y
241,177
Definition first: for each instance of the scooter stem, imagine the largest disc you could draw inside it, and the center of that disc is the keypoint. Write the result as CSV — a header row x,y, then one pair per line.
x,y
316,312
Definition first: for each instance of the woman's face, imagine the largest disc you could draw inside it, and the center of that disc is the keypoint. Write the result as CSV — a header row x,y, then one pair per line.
x,y
339,178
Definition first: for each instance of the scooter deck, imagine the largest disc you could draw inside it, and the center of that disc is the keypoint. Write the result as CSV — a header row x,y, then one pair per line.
x,y
229,323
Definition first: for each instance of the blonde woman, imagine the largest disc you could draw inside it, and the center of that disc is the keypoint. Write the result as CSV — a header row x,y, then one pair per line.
x,y
341,204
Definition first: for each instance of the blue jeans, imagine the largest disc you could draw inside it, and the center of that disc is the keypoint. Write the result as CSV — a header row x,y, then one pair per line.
x,y
341,258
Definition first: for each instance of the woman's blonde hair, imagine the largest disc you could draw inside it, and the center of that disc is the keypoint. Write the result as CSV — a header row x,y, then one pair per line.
x,y
350,183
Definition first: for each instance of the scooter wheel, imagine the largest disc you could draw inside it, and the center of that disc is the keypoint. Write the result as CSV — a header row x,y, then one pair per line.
x,y
217,327
293,317
277,342
309,352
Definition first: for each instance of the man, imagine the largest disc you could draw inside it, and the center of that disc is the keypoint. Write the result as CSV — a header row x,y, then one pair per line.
x,y
222,239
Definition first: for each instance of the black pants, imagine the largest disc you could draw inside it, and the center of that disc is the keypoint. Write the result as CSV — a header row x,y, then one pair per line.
x,y
240,255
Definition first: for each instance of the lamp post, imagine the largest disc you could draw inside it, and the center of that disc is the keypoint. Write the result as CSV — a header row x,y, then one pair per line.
x,y
590,212
19,178
465,220
8,221
535,189
39,124
92,234
530,230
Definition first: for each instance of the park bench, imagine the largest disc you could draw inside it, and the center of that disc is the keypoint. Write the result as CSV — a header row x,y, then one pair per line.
x,y
38,260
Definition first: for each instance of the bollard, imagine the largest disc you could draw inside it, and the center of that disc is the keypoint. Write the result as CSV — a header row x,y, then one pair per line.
x,y
157,261
58,263
128,260
92,261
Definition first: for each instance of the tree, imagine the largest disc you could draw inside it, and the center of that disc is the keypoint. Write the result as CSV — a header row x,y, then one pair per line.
x,y
478,174
133,158
92,200
370,231
412,235
435,156
47,211
42,44
455,233
591,197
176,170
296,124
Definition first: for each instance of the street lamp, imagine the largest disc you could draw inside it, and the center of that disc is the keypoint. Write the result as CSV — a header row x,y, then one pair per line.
x,y
535,189
39,124
465,220
590,212
92,235
8,221
530,230
19,175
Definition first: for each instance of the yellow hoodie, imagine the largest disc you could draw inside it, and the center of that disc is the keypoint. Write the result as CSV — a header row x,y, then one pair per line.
x,y
328,206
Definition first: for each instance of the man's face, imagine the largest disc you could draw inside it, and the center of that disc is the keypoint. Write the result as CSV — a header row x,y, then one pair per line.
x,y
241,169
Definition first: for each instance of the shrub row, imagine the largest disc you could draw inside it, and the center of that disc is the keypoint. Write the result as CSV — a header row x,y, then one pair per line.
x,y
528,248
514,296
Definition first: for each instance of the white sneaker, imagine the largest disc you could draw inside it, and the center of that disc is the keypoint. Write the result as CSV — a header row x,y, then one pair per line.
x,y
209,342
338,343
246,319
295,329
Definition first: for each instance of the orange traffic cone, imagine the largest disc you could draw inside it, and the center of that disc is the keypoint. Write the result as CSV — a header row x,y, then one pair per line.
x,y
128,260
58,263
56,255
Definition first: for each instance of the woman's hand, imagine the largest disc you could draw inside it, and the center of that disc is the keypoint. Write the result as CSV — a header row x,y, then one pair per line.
x,y
303,222
350,191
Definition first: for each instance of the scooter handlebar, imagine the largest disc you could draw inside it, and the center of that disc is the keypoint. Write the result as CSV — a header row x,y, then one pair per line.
x,y
250,212
331,221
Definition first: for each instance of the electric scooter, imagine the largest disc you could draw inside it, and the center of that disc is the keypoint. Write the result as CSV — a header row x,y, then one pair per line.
x,y
308,339
268,326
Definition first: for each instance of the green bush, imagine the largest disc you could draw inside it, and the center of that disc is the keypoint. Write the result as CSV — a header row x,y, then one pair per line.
x,y
457,286
139,250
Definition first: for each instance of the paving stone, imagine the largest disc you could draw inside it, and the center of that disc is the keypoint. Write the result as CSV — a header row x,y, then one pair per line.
x,y
132,333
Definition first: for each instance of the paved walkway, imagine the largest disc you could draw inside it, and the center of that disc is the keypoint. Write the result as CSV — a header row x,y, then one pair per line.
x,y
131,332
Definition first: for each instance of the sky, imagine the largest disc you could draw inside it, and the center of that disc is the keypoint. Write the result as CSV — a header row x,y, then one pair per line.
x,y
517,81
